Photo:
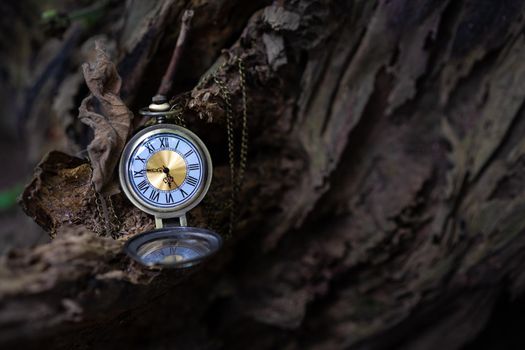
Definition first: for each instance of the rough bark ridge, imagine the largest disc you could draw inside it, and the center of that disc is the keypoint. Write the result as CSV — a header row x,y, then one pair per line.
x,y
383,206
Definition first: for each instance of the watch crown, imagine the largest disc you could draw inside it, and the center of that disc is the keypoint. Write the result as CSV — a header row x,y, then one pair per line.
x,y
159,108
159,104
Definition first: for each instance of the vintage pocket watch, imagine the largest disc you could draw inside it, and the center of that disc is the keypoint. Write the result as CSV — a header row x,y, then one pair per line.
x,y
165,170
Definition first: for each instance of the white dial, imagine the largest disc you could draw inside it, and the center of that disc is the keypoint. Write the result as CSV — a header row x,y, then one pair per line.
x,y
165,169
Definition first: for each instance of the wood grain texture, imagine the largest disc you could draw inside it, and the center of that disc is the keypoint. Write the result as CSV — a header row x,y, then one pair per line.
x,y
383,204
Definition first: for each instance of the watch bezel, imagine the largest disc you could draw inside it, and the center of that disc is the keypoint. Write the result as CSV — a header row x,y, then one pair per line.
x,y
125,181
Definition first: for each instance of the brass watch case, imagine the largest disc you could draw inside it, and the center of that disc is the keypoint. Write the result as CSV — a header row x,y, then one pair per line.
x,y
125,181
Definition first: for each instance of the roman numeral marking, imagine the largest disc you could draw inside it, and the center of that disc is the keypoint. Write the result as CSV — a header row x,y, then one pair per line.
x,y
143,186
139,173
184,194
164,142
192,181
154,195
189,153
177,145
141,159
150,147
169,197
193,166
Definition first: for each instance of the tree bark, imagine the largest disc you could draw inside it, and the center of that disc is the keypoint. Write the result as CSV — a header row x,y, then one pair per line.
x,y
383,204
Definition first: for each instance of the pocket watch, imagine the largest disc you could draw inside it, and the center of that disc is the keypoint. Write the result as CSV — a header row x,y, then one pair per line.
x,y
165,170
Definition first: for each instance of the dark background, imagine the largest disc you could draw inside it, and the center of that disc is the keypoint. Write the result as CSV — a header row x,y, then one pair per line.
x,y
383,207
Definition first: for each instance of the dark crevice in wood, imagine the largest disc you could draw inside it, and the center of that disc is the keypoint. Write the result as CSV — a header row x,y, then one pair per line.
x,y
511,185
336,90
440,48
358,139
505,140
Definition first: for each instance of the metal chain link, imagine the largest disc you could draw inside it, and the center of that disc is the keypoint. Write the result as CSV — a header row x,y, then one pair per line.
x,y
236,178
179,117
231,151
106,215
244,130
98,229
114,220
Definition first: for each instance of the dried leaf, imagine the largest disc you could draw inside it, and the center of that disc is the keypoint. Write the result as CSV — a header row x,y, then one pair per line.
x,y
105,112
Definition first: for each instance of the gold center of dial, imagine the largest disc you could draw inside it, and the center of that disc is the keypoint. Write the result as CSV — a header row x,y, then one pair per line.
x,y
166,170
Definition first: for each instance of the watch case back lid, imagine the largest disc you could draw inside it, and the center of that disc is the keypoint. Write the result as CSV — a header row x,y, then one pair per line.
x,y
176,247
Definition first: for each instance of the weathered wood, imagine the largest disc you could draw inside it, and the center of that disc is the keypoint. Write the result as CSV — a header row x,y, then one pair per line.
x,y
383,203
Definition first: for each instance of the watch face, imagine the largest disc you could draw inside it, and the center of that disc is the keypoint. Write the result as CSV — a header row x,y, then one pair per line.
x,y
165,170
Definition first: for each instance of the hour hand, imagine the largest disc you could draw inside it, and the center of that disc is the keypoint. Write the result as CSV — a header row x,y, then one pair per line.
x,y
155,170
169,180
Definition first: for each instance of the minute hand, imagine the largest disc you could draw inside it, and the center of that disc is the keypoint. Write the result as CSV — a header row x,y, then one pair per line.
x,y
169,180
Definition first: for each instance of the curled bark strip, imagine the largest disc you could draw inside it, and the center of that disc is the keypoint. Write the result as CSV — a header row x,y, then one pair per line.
x,y
43,198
